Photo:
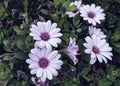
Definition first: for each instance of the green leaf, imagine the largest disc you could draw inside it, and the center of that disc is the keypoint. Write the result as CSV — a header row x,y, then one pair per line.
x,y
104,82
116,35
21,56
4,71
20,42
7,56
18,30
57,2
7,45
85,71
117,82
44,11
76,20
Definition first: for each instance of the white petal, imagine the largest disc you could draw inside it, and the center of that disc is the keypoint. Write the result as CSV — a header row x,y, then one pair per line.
x,y
53,54
41,26
107,55
87,45
57,40
57,57
39,73
105,48
54,25
48,26
89,40
93,55
92,60
57,66
36,51
53,71
53,43
40,44
88,51
105,60
48,46
44,76
101,43
29,61
47,52
92,7
57,35
49,74
34,71
56,62
55,31
33,57
34,65
99,58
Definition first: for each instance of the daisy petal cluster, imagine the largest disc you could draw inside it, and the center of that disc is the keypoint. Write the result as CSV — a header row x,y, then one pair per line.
x,y
91,13
44,63
98,48
96,31
74,12
46,34
72,50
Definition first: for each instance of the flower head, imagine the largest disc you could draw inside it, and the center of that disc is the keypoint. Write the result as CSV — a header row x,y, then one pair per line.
x,y
45,34
98,48
92,14
44,63
74,12
96,31
72,50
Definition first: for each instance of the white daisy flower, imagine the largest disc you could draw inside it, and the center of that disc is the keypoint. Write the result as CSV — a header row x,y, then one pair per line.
x,y
96,31
77,4
44,63
45,34
72,50
92,14
98,48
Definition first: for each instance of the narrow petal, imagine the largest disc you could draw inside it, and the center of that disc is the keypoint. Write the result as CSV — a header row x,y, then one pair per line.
x,y
93,55
99,58
49,74
53,71
44,76
92,60
53,54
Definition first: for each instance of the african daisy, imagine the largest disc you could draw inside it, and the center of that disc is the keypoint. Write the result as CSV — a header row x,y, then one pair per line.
x,y
98,48
74,12
93,14
46,34
72,50
44,63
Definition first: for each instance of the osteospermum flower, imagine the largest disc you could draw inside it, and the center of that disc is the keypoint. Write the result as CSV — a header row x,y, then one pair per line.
x,y
98,48
72,50
96,31
45,34
44,63
93,14
74,12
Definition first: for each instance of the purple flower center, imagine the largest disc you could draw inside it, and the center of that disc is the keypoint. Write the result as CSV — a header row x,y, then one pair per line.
x,y
45,36
95,50
43,62
91,14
